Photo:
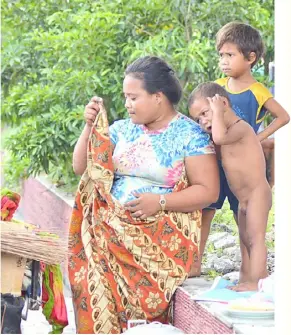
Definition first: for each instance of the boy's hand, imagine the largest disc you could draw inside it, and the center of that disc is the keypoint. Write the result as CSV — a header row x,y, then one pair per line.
x,y
217,104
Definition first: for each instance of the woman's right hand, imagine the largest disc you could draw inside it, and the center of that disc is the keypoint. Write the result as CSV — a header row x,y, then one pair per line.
x,y
91,111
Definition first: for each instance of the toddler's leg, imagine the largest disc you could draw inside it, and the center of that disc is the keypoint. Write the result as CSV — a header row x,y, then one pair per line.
x,y
207,216
245,258
253,236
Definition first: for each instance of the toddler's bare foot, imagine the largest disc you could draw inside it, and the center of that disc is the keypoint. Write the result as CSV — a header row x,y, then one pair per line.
x,y
246,286
243,277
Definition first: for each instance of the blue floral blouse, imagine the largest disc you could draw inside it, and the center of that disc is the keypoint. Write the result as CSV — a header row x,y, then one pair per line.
x,y
152,161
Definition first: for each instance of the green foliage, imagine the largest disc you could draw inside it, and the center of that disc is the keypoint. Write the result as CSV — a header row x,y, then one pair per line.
x,y
15,172
57,54
212,274
270,245
225,216
210,248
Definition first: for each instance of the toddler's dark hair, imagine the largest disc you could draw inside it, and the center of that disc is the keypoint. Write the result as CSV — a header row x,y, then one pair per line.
x,y
207,90
245,37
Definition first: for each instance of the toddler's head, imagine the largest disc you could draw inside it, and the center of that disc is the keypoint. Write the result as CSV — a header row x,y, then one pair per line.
x,y
199,107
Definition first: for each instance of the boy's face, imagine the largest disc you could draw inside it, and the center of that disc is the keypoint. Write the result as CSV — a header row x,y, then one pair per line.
x,y
201,112
232,62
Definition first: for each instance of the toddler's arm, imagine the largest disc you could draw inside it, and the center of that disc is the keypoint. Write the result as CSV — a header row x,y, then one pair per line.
x,y
222,135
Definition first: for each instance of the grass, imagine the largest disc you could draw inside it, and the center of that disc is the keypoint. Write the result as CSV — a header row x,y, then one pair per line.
x,y
212,274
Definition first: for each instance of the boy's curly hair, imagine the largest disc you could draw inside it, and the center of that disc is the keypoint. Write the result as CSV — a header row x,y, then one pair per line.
x,y
245,37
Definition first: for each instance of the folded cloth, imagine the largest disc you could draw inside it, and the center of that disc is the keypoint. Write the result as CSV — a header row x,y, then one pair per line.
x,y
54,306
220,293
9,203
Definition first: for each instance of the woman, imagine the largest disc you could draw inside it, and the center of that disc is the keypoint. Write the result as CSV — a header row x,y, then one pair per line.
x,y
136,222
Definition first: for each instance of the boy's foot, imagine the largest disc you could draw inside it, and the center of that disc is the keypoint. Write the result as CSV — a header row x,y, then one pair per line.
x,y
246,286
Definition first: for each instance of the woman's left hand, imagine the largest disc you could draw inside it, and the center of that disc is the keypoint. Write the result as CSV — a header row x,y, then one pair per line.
x,y
145,205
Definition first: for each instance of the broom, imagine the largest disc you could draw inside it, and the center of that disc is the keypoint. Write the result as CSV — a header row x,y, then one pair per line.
x,y
42,246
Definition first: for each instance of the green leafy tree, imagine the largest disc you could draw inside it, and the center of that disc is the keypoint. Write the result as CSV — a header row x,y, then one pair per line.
x,y
57,54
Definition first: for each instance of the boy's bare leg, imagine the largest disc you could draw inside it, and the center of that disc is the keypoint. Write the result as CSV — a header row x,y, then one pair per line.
x,y
258,207
245,258
207,217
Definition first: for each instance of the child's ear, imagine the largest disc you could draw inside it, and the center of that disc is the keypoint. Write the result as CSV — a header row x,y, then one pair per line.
x,y
225,102
252,57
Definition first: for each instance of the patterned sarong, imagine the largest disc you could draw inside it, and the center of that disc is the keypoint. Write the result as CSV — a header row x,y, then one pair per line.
x,y
122,268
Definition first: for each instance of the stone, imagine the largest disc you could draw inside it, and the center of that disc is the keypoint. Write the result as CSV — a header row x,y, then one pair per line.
x,y
232,276
222,227
227,241
205,269
236,266
230,251
209,263
224,257
223,266
271,264
211,259
270,236
233,253
217,236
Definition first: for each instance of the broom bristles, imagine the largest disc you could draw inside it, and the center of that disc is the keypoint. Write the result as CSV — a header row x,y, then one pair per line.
x,y
44,246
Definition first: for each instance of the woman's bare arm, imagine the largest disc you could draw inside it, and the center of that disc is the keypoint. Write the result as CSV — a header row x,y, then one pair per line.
x,y
80,151
202,172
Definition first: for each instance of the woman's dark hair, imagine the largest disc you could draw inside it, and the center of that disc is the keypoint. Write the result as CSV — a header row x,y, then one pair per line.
x,y
245,37
207,90
157,76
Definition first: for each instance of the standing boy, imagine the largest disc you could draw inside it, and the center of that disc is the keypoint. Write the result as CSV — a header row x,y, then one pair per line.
x,y
240,47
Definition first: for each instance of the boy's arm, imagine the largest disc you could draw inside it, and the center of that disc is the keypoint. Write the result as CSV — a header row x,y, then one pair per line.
x,y
281,117
221,135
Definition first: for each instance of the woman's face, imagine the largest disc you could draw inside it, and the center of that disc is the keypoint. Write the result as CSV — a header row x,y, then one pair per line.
x,y
142,107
